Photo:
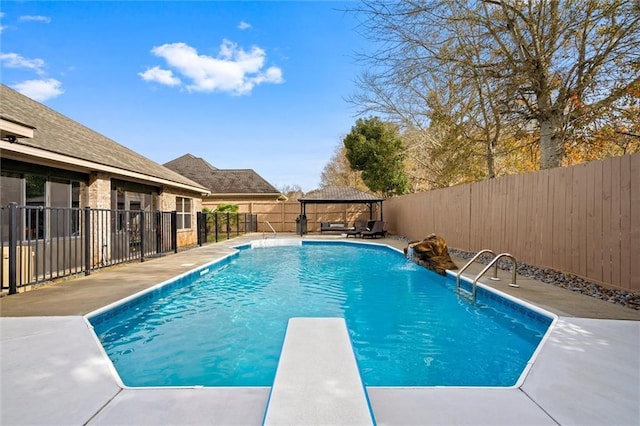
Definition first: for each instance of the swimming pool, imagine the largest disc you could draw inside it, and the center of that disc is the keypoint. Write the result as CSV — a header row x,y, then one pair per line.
x,y
224,324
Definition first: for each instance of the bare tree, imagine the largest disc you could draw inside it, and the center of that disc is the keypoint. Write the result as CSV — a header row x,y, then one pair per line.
x,y
546,66
292,192
338,172
428,162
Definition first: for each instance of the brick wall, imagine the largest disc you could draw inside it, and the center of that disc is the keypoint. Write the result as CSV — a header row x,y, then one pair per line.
x,y
99,190
167,202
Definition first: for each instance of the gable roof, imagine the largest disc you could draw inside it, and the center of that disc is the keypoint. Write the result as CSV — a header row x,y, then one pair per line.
x,y
58,138
221,181
339,194
189,164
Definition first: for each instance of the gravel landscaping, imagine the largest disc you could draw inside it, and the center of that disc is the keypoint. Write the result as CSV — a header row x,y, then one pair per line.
x,y
568,281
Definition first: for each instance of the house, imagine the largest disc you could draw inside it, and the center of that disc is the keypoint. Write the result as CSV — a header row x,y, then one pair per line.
x,y
48,160
228,186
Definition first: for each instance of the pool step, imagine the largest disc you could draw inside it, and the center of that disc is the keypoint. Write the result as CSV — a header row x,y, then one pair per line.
x,y
317,381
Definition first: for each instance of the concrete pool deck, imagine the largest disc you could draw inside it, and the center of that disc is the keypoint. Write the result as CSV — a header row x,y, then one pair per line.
x,y
54,372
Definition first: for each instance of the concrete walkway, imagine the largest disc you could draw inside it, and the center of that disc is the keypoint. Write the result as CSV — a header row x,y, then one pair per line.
x,y
53,371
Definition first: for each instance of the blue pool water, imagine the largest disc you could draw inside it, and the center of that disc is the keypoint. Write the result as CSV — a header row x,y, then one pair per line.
x,y
226,326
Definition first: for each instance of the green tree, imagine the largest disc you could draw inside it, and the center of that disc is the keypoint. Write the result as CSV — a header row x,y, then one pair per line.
x,y
221,211
227,208
375,148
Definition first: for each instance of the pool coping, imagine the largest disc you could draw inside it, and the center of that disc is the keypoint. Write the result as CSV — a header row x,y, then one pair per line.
x,y
297,242
586,373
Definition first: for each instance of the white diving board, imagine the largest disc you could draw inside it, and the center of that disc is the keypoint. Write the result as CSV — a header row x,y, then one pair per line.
x,y
317,381
281,242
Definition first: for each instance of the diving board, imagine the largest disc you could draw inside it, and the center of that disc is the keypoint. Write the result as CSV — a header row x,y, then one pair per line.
x,y
317,381
281,242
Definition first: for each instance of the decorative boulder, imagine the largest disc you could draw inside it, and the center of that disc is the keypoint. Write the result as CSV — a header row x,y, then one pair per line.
x,y
432,253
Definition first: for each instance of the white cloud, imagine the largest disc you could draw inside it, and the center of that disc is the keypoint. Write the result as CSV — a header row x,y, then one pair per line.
x,y
234,70
244,25
273,74
35,18
13,60
40,90
161,76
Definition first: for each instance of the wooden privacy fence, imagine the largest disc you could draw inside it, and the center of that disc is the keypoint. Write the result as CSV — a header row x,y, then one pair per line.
x,y
282,215
583,219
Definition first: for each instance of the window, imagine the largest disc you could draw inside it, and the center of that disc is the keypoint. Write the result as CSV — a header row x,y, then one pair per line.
x,y
11,191
183,209
44,205
75,204
63,222
35,202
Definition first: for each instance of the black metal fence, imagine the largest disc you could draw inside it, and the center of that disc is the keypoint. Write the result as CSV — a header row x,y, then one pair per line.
x,y
40,244
214,226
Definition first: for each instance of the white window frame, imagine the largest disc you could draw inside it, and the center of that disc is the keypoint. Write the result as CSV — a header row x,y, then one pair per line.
x,y
183,214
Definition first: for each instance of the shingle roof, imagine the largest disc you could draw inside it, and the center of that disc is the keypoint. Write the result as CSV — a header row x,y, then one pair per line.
x,y
221,181
344,194
59,134
189,164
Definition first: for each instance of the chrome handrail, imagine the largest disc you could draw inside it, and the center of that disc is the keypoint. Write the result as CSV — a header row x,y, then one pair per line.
x,y
492,263
275,234
480,253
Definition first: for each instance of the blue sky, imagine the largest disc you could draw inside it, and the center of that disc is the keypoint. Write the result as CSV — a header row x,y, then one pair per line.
x,y
258,85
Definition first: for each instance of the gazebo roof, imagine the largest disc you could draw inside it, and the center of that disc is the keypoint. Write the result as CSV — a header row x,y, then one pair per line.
x,y
339,194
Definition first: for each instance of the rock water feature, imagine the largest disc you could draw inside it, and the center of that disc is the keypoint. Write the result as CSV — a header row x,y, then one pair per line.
x,y
432,253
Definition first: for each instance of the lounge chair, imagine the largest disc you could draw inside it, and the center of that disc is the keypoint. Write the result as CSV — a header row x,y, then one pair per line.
x,y
376,229
360,226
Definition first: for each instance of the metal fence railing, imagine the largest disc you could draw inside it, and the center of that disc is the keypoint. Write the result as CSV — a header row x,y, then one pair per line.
x,y
214,226
40,244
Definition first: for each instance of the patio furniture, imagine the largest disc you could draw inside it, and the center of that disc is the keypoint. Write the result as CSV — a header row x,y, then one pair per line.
x,y
361,225
377,229
335,227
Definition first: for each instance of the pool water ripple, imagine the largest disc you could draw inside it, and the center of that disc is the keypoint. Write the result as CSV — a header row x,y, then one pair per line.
x,y
407,326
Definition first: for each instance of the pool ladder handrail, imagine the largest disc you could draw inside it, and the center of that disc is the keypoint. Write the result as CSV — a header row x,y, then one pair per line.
x,y
470,262
492,263
275,234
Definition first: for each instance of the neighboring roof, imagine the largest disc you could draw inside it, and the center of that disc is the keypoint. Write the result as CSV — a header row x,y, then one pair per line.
x,y
339,194
57,134
189,164
221,181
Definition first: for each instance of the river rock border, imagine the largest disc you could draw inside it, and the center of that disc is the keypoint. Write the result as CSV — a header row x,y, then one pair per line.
x,y
569,281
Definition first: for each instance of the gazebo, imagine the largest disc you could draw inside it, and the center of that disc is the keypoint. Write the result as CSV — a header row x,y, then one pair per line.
x,y
338,195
